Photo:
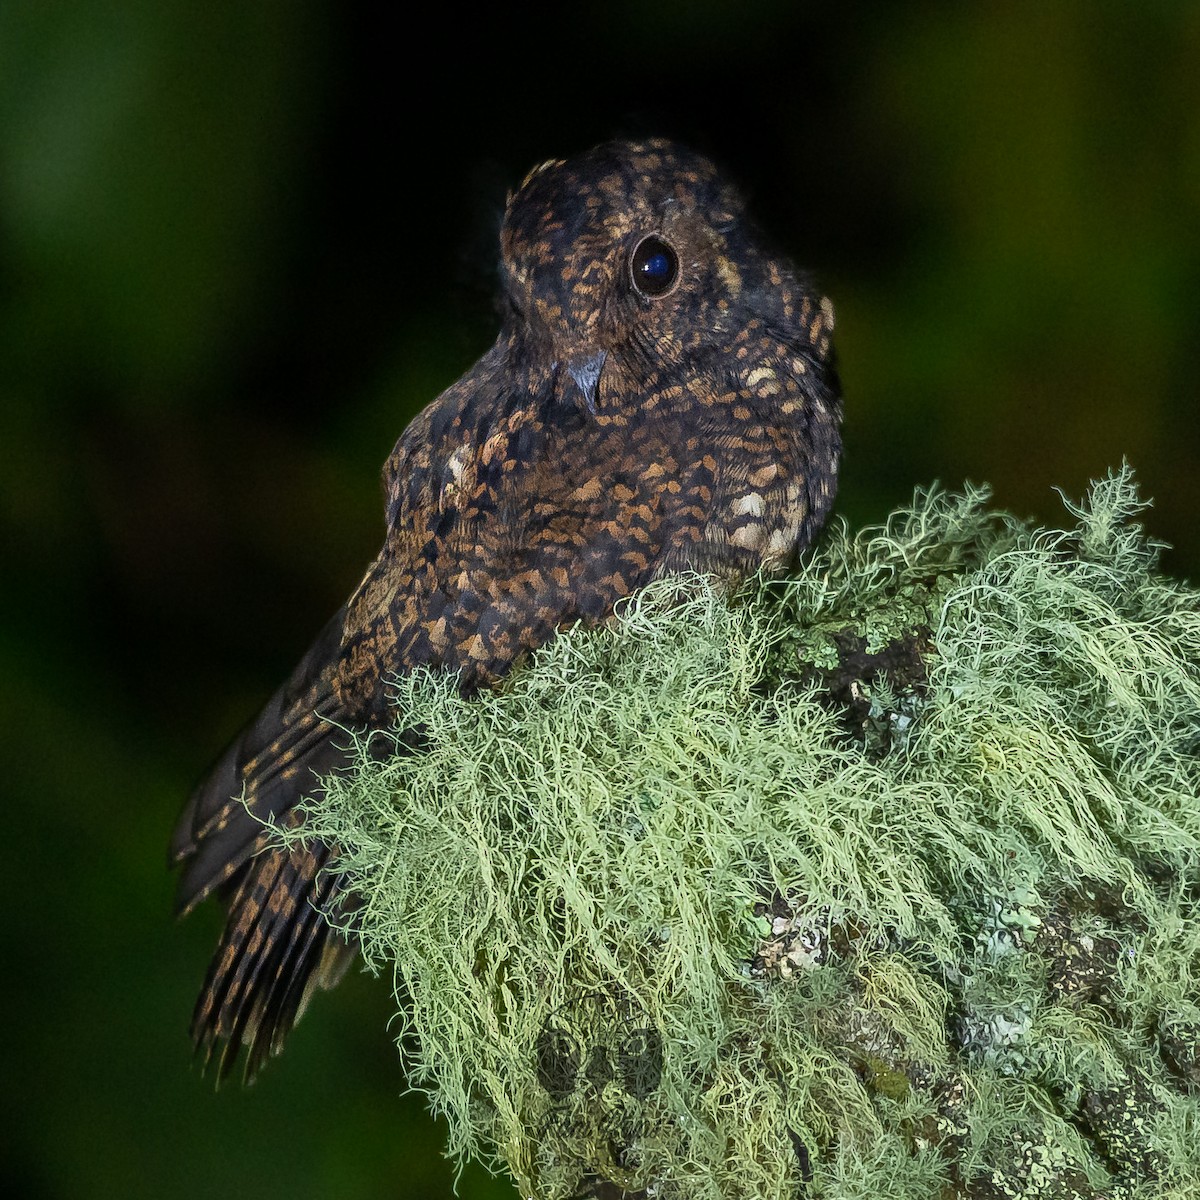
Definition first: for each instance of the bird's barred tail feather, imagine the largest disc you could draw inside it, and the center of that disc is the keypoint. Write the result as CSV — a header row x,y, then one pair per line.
x,y
277,945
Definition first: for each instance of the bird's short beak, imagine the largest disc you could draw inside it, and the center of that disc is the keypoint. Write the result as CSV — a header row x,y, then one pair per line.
x,y
585,374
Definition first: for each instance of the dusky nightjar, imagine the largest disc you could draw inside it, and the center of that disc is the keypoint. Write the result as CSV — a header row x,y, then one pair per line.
x,y
661,398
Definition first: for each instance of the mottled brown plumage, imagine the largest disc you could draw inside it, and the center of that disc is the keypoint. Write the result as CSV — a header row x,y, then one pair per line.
x,y
661,397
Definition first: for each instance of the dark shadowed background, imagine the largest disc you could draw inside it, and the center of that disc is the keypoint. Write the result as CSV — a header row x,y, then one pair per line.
x,y
240,244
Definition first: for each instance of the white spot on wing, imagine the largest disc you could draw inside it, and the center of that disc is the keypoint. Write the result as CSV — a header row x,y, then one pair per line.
x,y
751,504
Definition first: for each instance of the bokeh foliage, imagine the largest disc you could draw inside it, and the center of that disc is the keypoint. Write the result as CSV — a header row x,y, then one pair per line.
x,y
241,244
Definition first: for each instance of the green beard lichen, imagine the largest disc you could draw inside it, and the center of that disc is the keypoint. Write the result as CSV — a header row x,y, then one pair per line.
x,y
880,881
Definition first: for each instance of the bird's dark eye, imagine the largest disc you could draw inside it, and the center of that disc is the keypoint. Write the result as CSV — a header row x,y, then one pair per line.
x,y
654,267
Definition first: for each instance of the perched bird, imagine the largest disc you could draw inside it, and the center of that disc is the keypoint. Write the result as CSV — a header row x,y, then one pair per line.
x,y
661,398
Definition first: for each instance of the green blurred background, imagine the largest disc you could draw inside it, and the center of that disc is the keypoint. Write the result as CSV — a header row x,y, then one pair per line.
x,y
240,244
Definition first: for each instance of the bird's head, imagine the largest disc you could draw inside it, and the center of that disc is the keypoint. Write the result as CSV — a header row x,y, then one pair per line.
x,y
636,260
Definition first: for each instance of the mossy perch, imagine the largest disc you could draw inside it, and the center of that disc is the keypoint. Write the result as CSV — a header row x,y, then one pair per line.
x,y
877,882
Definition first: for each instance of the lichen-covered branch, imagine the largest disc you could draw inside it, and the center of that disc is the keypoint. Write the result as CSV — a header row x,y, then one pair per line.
x,y
880,881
